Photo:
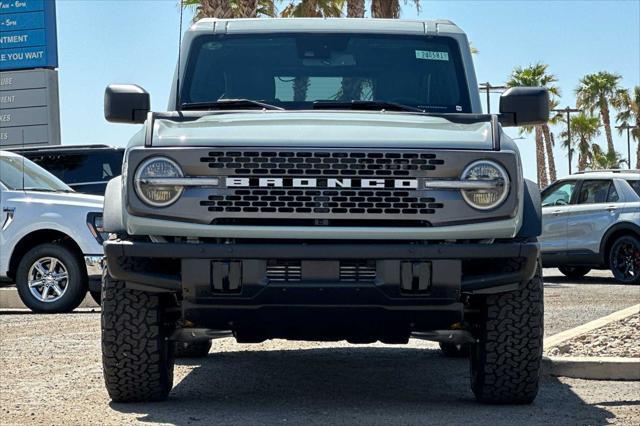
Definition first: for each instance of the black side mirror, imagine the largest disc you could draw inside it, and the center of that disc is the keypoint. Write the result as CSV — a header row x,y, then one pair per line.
x,y
523,106
126,103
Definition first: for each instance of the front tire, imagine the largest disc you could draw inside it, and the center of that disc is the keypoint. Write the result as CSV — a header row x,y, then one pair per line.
x,y
506,360
574,272
50,279
137,357
624,260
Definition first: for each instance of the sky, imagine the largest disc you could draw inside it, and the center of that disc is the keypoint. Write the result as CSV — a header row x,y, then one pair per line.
x,y
135,41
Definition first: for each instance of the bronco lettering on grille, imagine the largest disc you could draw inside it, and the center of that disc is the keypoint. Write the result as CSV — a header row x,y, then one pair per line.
x,y
320,183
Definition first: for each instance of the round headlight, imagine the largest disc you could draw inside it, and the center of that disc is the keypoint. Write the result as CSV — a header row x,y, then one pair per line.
x,y
495,190
153,193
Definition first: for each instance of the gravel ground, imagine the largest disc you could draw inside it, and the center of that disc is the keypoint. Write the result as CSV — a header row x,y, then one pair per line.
x,y
569,304
620,338
50,373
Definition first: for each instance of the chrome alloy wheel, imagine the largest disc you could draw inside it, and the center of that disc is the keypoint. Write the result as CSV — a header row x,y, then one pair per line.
x,y
48,279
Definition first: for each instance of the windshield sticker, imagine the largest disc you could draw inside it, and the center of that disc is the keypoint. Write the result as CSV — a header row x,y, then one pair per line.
x,y
431,55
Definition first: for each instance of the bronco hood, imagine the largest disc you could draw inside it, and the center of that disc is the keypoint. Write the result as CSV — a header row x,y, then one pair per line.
x,y
323,129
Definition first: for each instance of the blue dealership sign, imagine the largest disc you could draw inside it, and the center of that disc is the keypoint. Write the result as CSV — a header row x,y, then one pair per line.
x,y
28,34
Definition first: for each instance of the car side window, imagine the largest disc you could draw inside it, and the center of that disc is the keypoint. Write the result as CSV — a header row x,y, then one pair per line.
x,y
635,184
560,195
595,192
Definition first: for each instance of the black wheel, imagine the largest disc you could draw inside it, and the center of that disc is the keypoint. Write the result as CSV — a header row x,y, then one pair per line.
x,y
451,350
574,272
624,260
193,349
137,358
505,362
96,296
50,279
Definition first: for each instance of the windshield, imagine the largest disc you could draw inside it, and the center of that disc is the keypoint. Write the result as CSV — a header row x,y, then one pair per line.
x,y
293,71
34,178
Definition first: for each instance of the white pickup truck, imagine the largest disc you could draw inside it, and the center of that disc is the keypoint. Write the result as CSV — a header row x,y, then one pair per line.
x,y
50,237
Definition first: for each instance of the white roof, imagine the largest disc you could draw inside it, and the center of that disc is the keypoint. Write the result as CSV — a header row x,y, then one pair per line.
x,y
431,27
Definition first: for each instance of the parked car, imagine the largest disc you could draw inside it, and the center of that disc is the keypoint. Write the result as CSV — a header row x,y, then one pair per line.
x,y
51,237
592,221
85,168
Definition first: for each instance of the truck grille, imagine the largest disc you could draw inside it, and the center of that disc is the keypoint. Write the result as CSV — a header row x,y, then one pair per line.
x,y
322,201
284,271
357,271
323,163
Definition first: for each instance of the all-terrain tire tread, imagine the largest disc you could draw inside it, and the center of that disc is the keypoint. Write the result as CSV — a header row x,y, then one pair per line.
x,y
508,354
137,358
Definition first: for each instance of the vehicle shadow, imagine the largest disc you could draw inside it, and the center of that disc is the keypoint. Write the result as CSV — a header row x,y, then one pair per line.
x,y
359,385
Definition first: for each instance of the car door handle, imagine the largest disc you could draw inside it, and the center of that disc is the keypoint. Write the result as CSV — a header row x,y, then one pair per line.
x,y
611,208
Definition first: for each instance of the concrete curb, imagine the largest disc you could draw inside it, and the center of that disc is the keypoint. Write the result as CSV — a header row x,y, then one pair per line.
x,y
9,299
594,368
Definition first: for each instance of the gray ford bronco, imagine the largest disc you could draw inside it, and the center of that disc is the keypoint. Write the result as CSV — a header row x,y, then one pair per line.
x,y
319,179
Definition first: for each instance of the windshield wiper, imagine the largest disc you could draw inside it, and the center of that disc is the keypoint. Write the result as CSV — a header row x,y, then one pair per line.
x,y
365,105
229,104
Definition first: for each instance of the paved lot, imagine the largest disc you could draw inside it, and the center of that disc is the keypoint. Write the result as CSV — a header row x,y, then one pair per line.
x,y
50,373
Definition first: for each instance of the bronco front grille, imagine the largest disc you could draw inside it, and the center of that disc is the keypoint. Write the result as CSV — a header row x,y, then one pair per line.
x,y
353,201
323,163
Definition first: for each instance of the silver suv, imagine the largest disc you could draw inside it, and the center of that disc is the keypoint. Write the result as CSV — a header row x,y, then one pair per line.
x,y
592,221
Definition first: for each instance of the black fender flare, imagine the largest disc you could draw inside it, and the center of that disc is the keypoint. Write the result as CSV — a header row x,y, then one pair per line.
x,y
532,211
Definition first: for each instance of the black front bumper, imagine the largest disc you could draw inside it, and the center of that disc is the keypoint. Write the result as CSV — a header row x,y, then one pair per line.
x,y
228,285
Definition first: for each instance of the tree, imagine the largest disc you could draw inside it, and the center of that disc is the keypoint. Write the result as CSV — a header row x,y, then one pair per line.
x,y
314,9
629,106
355,8
595,93
583,129
229,9
601,160
536,75
388,8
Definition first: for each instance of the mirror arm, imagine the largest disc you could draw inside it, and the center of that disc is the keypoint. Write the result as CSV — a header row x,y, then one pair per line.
x,y
495,127
507,119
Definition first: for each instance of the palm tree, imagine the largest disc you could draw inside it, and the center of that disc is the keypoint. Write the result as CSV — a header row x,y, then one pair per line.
x,y
600,160
549,139
314,8
629,106
596,92
355,8
388,8
536,75
583,129
229,9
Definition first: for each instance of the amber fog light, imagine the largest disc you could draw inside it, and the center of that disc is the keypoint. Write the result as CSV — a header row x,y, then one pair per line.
x,y
491,184
151,182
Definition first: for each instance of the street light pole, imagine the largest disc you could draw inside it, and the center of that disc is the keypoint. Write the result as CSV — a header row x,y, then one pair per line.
x,y
568,110
628,127
489,88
